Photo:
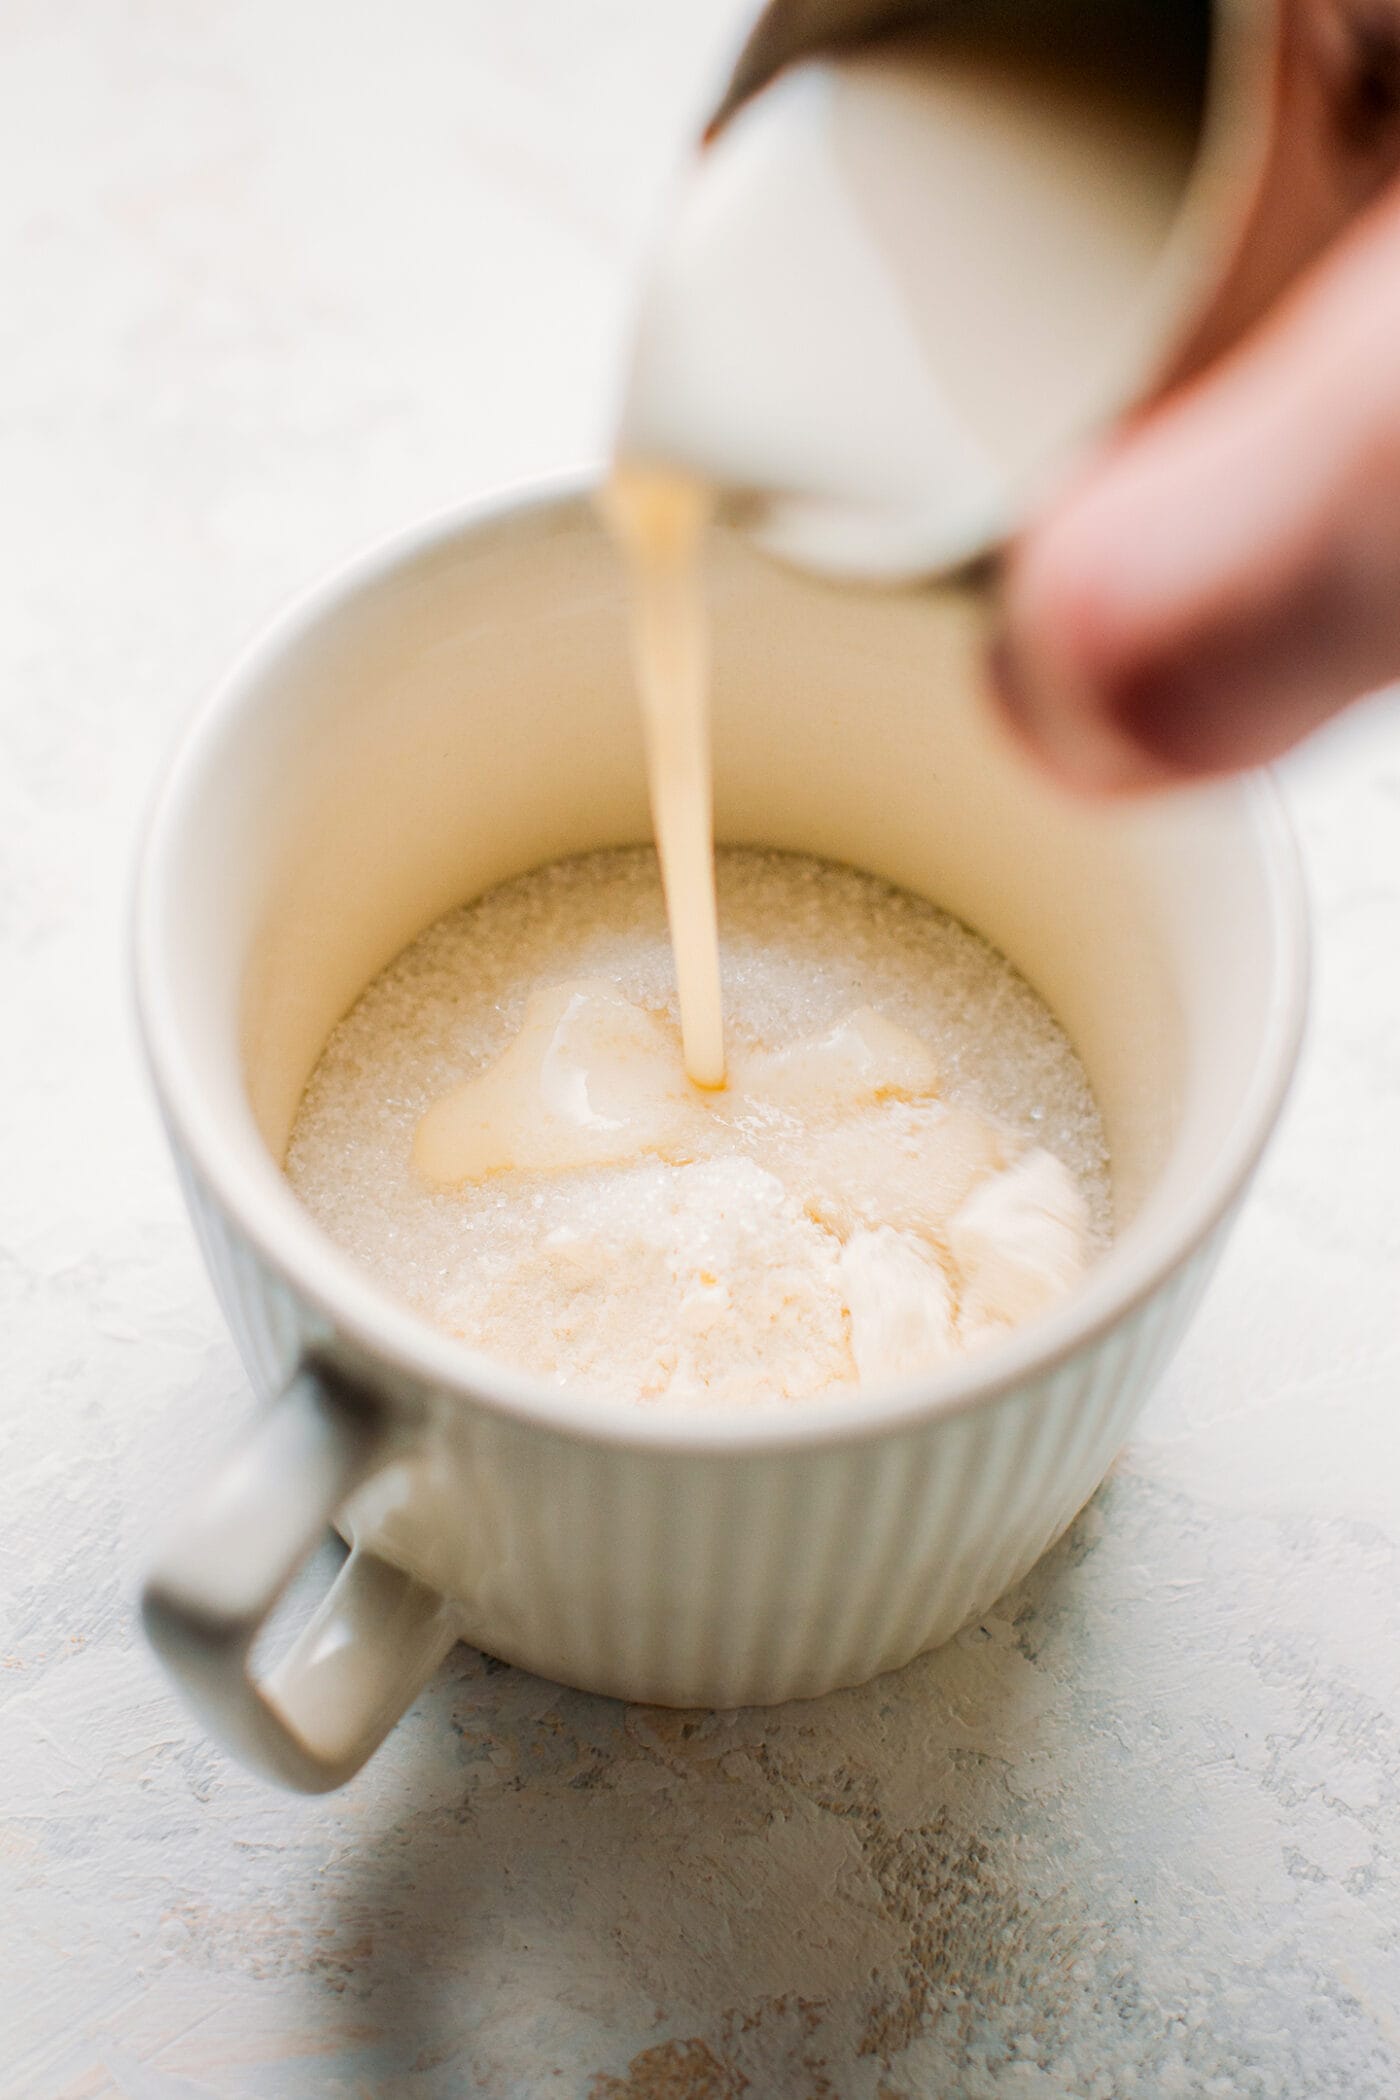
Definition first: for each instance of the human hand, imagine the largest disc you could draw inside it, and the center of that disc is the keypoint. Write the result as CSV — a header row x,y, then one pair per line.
x,y
1227,575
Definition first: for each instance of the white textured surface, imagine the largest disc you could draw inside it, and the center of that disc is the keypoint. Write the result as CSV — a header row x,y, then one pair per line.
x,y
277,278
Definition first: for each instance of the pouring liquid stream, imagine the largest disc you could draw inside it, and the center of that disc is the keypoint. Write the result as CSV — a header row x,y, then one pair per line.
x,y
660,519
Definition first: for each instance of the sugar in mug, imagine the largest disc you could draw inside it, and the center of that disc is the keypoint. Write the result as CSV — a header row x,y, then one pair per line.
x,y
453,709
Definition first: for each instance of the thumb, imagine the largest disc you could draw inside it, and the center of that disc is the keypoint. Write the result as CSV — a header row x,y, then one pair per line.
x,y
1228,575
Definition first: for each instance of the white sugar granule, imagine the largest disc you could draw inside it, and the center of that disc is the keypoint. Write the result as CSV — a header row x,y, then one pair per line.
x,y
719,1283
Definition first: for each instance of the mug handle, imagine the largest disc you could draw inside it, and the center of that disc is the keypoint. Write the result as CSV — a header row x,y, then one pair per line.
x,y
376,1637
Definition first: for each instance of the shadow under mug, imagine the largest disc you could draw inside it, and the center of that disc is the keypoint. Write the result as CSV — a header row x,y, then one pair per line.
x,y
449,711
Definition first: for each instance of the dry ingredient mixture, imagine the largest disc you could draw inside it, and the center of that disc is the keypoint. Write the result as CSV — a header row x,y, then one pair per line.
x,y
906,1160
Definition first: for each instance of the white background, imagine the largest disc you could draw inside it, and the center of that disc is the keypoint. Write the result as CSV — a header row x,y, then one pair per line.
x,y
275,276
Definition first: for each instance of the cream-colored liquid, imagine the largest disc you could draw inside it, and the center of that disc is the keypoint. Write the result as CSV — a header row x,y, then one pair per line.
x,y
932,1227
590,1080
660,521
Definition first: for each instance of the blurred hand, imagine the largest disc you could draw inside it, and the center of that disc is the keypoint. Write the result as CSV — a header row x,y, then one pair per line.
x,y
1227,575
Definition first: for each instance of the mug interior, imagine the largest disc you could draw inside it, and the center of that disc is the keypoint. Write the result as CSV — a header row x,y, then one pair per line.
x,y
460,710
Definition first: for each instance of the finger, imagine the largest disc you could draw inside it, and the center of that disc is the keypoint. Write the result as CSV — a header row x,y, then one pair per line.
x,y
1229,575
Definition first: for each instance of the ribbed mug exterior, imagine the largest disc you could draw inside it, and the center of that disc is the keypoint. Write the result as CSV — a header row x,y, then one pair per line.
x,y
313,821
686,1577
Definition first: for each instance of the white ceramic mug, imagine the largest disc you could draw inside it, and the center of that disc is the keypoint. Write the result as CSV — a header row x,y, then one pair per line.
x,y
456,708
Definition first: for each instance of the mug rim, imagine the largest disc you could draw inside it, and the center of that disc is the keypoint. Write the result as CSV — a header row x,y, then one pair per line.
x,y
290,1243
